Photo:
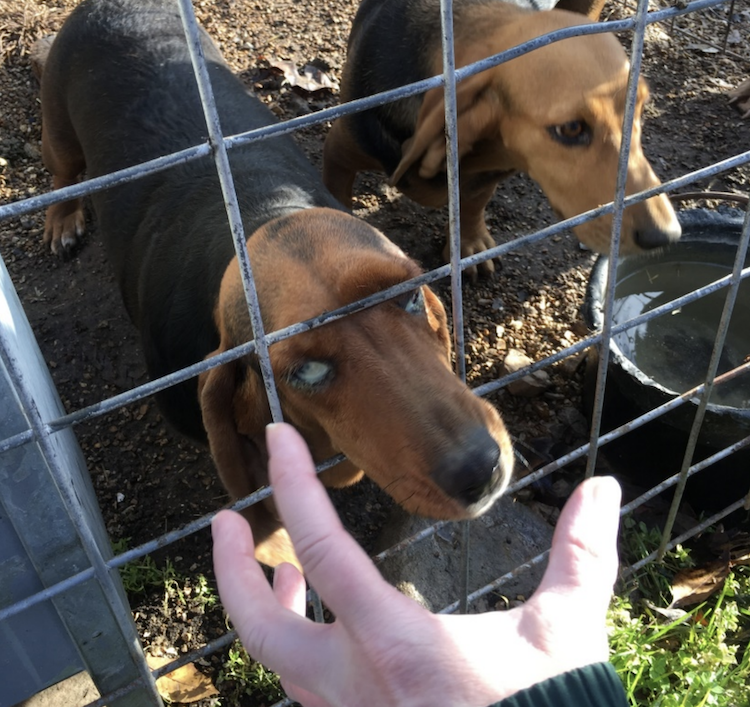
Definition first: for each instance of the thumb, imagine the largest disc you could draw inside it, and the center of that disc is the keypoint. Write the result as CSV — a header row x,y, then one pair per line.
x,y
583,558
577,586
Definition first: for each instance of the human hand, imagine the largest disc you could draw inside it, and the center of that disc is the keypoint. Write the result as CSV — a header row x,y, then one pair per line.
x,y
383,648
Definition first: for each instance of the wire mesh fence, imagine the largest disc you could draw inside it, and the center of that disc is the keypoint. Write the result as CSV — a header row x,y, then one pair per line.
x,y
41,429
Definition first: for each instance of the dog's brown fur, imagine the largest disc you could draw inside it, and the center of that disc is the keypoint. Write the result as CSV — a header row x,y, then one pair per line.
x,y
555,114
395,407
118,89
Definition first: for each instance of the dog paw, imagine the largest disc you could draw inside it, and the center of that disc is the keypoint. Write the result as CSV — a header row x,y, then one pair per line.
x,y
63,227
472,246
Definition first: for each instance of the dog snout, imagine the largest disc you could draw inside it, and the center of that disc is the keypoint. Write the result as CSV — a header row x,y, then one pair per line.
x,y
656,236
651,223
475,474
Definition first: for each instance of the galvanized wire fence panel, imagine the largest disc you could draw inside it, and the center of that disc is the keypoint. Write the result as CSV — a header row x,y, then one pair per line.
x,y
41,430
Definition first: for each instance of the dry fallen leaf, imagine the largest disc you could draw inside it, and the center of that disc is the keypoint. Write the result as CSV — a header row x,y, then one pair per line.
x,y
311,78
692,586
186,684
738,546
705,48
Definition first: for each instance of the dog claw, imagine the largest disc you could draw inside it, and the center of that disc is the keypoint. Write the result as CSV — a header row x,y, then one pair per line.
x,y
63,228
485,269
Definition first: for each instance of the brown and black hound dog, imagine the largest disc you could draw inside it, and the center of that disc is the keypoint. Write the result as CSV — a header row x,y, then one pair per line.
x,y
118,89
555,114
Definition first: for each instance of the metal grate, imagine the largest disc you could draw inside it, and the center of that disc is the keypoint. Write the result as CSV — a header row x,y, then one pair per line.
x,y
40,430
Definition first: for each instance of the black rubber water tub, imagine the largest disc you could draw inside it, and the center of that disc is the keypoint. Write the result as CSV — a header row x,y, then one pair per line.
x,y
652,362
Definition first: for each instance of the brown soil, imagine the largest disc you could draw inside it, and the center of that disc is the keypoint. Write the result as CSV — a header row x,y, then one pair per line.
x,y
148,479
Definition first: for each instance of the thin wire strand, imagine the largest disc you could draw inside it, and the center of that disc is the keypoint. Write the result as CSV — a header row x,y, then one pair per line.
x,y
218,146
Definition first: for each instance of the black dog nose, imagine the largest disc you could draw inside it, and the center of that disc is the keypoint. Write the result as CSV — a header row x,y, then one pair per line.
x,y
470,472
648,238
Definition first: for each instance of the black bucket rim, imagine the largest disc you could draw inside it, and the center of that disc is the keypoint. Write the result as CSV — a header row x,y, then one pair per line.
x,y
723,225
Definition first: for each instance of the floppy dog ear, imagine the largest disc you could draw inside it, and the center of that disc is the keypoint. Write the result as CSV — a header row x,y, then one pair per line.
x,y
478,114
218,390
235,413
438,320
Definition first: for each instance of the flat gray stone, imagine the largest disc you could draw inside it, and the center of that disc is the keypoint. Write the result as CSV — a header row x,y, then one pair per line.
x,y
529,386
508,535
75,691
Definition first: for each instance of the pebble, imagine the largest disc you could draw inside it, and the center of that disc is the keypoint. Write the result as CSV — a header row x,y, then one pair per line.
x,y
530,385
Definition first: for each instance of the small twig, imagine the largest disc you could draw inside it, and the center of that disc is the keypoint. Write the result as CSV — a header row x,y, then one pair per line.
x,y
717,195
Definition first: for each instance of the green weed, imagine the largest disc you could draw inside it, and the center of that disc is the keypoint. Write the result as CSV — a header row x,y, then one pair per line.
x,y
242,676
142,574
697,659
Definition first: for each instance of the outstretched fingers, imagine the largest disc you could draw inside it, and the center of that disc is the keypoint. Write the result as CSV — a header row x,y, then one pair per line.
x,y
272,631
333,562
237,572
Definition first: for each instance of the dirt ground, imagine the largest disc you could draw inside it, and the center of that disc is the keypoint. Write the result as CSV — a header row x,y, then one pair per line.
x,y
148,479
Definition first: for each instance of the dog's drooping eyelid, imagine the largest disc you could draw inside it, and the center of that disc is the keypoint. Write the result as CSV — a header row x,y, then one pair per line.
x,y
572,133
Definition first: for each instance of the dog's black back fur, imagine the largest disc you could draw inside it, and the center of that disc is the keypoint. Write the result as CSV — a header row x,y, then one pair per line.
x,y
124,71
385,128
402,33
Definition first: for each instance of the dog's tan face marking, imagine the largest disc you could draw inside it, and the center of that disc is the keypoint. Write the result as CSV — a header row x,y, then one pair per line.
x,y
376,385
570,145
555,113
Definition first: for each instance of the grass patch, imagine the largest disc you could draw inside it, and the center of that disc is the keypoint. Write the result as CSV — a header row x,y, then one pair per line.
x,y
240,679
142,574
697,658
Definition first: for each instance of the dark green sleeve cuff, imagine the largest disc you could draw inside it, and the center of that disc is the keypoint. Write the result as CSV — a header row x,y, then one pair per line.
x,y
592,686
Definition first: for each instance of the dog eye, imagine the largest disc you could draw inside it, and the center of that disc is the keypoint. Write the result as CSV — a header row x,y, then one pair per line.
x,y
574,132
310,374
412,302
